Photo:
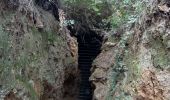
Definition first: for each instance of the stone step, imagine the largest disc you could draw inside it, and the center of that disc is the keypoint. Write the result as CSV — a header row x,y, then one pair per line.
x,y
86,63
85,68
83,89
85,79
85,84
94,49
82,53
83,93
85,72
84,98
85,60
84,57
89,50
85,76
88,43
97,48
87,54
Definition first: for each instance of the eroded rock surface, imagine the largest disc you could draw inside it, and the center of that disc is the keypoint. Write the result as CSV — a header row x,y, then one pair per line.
x,y
137,68
37,54
101,70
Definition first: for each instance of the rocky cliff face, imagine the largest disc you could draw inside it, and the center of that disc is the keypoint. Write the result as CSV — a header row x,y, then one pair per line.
x,y
35,53
38,57
137,67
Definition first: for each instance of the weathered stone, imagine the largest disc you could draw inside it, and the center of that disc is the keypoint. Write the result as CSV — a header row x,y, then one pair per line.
x,y
42,54
100,93
100,71
98,75
150,88
106,58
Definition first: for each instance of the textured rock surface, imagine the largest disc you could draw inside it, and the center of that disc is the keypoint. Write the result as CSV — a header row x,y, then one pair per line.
x,y
38,51
137,68
38,58
101,71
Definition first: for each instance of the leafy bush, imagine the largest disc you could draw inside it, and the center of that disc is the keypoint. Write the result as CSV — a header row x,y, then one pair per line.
x,y
103,14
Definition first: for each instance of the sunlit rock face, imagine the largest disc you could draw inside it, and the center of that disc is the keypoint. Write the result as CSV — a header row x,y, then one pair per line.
x,y
139,69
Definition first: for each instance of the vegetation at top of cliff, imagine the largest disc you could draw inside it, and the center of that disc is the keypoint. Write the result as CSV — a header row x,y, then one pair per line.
x,y
103,14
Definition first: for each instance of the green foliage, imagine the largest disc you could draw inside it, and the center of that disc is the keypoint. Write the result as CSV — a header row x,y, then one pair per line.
x,y
104,12
28,86
118,76
48,37
125,69
159,54
12,69
5,62
90,13
125,11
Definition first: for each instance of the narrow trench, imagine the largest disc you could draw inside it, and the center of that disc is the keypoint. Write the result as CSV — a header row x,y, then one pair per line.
x,y
78,87
89,44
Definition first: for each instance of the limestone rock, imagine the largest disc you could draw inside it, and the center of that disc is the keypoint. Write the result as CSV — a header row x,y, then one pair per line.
x,y
100,91
39,60
98,75
100,71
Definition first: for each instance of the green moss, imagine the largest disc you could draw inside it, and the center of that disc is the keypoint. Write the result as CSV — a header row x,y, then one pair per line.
x,y
5,61
125,70
5,17
113,39
132,64
48,37
124,78
159,54
24,82
69,60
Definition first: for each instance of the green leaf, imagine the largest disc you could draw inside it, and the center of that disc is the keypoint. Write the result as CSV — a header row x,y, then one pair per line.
x,y
95,8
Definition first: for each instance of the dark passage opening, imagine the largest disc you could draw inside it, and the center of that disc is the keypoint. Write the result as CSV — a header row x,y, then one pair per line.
x,y
89,44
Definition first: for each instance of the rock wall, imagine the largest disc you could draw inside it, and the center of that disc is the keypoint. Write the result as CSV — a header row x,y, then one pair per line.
x,y
137,66
38,57
35,53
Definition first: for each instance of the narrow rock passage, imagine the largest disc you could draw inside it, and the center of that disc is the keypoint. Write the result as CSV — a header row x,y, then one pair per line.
x,y
89,45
